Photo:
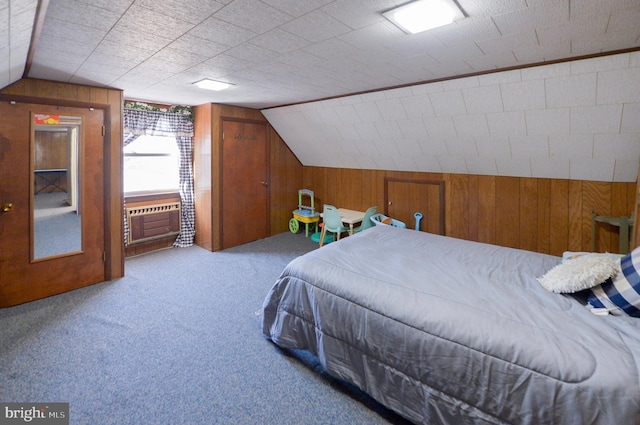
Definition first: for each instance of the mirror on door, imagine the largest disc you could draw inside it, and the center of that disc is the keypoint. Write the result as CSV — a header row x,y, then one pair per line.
x,y
55,186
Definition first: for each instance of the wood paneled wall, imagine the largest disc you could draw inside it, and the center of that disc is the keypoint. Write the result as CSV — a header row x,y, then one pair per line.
x,y
543,215
30,90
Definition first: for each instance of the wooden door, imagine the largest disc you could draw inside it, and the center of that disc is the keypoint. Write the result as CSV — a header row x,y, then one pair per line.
x,y
244,182
405,197
22,276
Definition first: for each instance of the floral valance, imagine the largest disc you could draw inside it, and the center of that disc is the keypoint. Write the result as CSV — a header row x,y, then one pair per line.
x,y
139,122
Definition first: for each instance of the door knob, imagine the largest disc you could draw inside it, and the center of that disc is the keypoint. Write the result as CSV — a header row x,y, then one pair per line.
x,y
264,183
7,207
390,202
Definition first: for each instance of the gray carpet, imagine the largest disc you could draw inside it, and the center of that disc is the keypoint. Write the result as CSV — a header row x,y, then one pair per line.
x,y
176,341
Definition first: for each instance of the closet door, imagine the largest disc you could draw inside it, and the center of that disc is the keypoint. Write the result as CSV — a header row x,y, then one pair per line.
x,y
405,197
51,210
245,182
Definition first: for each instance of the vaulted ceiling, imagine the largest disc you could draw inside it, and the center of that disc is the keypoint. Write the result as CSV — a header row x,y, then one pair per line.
x,y
285,52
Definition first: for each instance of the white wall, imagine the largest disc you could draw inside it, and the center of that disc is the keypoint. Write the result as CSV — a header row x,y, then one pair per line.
x,y
573,120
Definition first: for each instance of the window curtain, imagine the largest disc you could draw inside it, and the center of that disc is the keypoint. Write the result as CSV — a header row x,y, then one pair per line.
x,y
139,122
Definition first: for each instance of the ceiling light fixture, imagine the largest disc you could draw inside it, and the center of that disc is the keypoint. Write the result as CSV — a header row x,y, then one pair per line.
x,y
208,84
424,15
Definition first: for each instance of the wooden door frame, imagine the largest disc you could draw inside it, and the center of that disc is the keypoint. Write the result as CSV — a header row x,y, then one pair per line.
x,y
106,152
438,183
221,174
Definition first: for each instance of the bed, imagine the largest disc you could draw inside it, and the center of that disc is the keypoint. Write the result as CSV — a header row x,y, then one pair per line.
x,y
446,331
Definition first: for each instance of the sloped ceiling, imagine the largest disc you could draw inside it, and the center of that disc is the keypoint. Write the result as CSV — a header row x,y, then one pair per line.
x,y
288,52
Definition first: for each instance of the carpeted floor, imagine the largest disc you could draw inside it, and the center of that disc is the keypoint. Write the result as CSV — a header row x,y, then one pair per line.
x,y
176,341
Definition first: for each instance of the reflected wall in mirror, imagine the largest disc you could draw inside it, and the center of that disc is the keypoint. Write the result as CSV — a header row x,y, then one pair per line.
x,y
55,176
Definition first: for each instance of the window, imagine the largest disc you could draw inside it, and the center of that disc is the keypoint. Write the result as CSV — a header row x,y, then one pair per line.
x,y
151,164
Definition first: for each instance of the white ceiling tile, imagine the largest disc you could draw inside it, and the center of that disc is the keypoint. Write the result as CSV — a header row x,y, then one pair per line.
x,y
391,109
592,169
86,15
490,147
483,99
471,125
197,46
453,164
360,13
501,43
507,123
616,146
625,170
553,13
388,130
190,11
413,129
571,90
280,41
368,112
550,168
524,95
315,26
427,163
475,27
516,167
482,166
151,22
529,146
261,19
630,122
297,7
486,8
462,146
222,32
611,91
440,127
447,103
548,121
433,146
417,106
573,146
596,119
386,163
365,131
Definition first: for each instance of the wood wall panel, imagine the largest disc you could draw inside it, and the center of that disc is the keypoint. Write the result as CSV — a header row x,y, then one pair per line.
x,y
544,215
528,214
486,196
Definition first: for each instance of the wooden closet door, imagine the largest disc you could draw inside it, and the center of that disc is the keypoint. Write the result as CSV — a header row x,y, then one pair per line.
x,y
22,277
244,182
405,197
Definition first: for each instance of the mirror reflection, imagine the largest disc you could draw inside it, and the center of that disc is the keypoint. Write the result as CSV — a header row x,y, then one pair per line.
x,y
57,227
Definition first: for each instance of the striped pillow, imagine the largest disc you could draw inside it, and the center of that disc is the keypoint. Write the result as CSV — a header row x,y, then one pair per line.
x,y
620,294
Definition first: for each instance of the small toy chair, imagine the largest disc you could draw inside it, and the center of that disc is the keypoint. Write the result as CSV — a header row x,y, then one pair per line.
x,y
331,223
366,221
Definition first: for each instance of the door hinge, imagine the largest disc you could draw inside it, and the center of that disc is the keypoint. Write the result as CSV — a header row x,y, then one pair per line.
x,y
104,256
104,131
223,135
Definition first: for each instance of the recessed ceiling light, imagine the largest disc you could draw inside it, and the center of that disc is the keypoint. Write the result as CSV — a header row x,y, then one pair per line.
x,y
212,84
424,15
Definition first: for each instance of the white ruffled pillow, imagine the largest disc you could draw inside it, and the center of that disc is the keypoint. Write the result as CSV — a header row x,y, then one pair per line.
x,y
579,273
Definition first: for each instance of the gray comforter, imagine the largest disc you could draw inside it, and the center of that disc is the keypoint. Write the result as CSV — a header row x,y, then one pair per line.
x,y
446,331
